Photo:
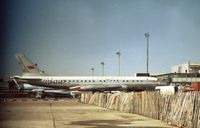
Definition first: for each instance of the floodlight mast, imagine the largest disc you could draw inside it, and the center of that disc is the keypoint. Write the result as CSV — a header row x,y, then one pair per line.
x,y
119,54
102,63
92,69
147,36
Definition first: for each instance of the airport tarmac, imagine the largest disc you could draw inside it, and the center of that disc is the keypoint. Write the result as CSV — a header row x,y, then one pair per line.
x,y
68,113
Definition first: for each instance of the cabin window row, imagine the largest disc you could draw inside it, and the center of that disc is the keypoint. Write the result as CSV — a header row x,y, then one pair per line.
x,y
105,80
69,81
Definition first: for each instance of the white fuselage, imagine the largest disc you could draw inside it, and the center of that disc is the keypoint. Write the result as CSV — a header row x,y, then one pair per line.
x,y
89,82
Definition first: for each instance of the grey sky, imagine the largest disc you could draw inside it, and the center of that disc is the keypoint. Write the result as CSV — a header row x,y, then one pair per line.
x,y
68,37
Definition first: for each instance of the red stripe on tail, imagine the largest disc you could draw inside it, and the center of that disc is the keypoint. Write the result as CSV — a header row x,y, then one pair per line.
x,y
30,67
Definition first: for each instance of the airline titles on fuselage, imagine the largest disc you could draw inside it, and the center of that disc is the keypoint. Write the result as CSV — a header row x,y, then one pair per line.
x,y
61,81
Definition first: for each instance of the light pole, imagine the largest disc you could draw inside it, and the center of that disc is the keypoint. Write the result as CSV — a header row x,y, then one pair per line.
x,y
92,69
147,36
119,54
102,63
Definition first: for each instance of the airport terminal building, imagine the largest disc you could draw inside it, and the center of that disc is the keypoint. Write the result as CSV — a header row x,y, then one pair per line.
x,y
186,68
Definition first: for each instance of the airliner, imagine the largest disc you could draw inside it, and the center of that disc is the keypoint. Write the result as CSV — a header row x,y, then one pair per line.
x,y
34,76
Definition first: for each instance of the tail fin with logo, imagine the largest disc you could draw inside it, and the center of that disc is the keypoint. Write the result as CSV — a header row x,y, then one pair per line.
x,y
27,66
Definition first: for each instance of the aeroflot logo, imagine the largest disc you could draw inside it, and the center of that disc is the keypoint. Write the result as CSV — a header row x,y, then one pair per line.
x,y
30,67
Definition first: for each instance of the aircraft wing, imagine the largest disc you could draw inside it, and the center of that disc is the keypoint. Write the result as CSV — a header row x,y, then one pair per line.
x,y
99,87
58,93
